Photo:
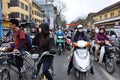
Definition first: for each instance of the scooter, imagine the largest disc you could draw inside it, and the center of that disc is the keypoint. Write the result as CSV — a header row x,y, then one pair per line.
x,y
106,55
60,42
81,59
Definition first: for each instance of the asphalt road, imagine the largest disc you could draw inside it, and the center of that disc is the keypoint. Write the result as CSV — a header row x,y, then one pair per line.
x,y
60,68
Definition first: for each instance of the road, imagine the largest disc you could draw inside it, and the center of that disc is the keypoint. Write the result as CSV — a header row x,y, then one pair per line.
x,y
61,64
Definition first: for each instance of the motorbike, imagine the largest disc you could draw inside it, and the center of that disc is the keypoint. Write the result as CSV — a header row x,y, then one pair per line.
x,y
117,55
60,43
106,55
81,59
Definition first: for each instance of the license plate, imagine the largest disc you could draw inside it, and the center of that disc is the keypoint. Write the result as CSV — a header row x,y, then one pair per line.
x,y
59,40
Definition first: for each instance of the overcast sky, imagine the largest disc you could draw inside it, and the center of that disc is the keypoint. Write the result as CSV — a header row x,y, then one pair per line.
x,y
80,8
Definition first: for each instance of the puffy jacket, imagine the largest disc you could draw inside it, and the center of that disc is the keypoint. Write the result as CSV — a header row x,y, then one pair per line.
x,y
101,37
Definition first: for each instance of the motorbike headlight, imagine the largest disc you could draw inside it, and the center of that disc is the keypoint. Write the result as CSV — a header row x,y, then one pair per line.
x,y
82,53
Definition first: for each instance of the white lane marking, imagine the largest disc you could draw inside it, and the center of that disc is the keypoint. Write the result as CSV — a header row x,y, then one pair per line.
x,y
107,74
104,71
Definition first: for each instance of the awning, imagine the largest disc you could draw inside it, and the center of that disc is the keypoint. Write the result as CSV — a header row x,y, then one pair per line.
x,y
108,20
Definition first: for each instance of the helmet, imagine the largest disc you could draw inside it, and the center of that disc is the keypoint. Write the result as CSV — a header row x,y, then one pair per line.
x,y
79,26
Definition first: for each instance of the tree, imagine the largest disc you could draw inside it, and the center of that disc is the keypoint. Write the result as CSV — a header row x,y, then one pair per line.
x,y
61,7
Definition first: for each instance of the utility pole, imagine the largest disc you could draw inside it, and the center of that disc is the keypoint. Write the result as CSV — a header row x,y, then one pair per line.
x,y
1,30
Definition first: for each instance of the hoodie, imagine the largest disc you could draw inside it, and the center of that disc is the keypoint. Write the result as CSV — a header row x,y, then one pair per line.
x,y
47,42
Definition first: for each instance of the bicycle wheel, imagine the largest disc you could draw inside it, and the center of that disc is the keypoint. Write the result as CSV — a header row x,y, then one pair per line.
x,y
5,75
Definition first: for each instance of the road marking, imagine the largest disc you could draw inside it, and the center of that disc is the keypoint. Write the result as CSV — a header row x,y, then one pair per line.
x,y
105,72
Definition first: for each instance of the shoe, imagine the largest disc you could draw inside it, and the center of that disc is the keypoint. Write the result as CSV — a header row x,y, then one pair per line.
x,y
68,72
92,72
96,60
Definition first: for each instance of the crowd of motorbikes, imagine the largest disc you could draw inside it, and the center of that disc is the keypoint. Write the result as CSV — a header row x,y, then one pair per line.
x,y
82,60
109,54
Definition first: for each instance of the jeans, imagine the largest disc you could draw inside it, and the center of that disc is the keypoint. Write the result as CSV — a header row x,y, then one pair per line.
x,y
46,66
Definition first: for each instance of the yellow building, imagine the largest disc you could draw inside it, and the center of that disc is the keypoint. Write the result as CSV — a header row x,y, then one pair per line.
x,y
27,10
109,16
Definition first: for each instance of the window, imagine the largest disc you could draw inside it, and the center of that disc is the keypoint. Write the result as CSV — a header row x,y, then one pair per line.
x,y
112,14
100,17
22,16
26,8
119,13
22,5
105,16
26,17
14,15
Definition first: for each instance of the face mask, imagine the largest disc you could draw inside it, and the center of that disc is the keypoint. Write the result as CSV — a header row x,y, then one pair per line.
x,y
80,30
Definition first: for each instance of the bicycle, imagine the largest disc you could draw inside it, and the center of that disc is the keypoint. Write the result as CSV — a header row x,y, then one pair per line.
x,y
9,64
36,59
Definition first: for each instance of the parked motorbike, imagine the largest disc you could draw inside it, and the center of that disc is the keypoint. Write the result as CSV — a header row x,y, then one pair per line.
x,y
81,58
106,55
60,43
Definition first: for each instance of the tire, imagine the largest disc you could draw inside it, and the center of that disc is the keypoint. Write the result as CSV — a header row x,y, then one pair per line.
x,y
5,75
109,66
59,50
82,76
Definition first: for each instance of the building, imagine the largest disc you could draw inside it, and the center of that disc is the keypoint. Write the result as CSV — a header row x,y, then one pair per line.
x,y
48,12
28,10
109,16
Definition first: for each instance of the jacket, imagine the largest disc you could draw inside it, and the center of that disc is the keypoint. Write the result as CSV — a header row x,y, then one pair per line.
x,y
101,37
48,44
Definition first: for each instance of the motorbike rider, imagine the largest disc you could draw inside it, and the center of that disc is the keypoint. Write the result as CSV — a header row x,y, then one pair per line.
x,y
79,35
44,43
60,33
92,33
100,38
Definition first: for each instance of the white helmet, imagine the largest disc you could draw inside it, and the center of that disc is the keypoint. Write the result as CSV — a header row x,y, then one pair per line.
x,y
79,26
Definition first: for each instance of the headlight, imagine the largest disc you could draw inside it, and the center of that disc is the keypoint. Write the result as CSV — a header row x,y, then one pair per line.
x,y
82,53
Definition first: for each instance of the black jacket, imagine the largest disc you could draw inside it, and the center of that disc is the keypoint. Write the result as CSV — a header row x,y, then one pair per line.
x,y
48,44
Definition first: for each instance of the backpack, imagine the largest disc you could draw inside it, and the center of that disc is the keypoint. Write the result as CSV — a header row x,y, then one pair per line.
x,y
28,41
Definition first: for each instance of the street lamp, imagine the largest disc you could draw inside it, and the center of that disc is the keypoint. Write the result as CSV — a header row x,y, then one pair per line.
x,y
1,30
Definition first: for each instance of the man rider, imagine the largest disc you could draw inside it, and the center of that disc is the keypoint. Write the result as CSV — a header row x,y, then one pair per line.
x,y
100,38
60,33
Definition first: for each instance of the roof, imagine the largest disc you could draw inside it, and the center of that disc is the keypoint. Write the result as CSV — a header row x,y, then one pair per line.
x,y
109,8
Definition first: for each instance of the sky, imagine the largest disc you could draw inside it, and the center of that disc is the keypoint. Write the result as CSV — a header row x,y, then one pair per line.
x,y
81,8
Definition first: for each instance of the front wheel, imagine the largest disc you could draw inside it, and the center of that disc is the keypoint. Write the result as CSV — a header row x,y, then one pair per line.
x,y
5,75
59,50
109,65
82,76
